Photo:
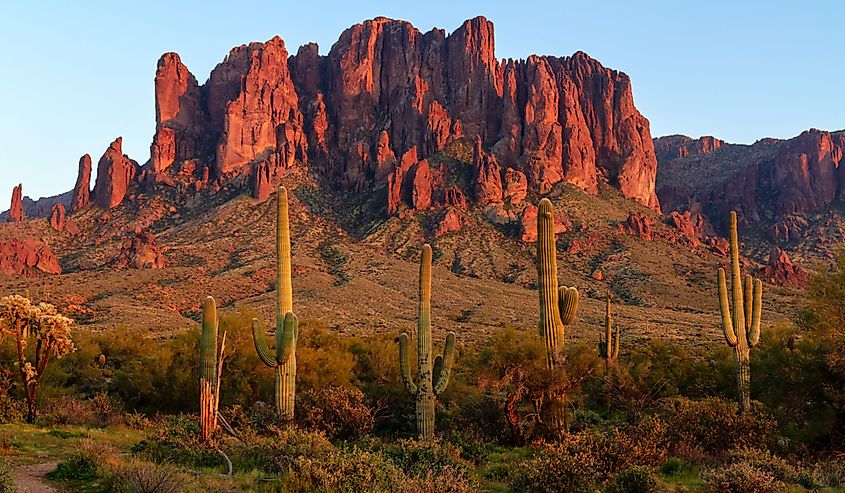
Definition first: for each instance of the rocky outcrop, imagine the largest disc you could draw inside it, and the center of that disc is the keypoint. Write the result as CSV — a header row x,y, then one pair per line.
x,y
16,208
27,257
58,221
528,224
689,225
140,251
780,270
115,172
680,146
487,176
81,191
180,115
639,225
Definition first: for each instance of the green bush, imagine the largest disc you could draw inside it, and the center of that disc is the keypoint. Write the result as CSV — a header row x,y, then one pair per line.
x,y
676,467
175,439
634,480
77,467
419,459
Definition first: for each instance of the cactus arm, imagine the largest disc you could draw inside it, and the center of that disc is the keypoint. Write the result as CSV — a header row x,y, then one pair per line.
x,y
437,368
448,359
405,366
261,347
748,304
616,343
754,333
567,304
727,324
286,338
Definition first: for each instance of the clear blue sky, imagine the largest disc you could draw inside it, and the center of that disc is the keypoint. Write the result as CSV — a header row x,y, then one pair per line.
x,y
78,74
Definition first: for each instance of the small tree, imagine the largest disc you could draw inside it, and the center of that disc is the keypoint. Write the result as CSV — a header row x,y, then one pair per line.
x,y
23,321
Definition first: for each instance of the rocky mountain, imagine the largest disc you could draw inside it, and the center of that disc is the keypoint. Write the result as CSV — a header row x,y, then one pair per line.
x,y
392,138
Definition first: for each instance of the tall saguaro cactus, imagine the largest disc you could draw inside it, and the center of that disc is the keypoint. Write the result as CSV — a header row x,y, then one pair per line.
x,y
432,377
557,305
742,327
283,359
609,347
211,365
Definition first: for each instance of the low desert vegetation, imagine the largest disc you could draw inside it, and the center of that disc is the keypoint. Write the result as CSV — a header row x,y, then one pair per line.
x,y
125,410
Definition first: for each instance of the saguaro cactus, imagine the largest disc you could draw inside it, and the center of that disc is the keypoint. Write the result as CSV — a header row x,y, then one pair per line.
x,y
742,327
432,379
211,365
557,305
609,347
287,325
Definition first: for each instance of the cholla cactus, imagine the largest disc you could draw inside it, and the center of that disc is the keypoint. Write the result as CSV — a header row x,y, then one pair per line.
x,y
557,305
20,319
211,366
431,379
742,328
609,347
283,360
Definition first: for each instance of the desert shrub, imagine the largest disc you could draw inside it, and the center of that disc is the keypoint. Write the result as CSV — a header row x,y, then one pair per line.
x,y
765,461
741,478
634,480
278,451
422,459
831,472
715,425
322,358
554,469
339,412
138,476
100,411
7,477
351,471
175,439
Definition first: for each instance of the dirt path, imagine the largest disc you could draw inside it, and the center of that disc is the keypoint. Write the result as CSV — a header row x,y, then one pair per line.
x,y
30,479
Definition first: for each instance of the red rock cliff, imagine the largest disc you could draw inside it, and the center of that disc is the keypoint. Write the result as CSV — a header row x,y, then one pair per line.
x,y
115,172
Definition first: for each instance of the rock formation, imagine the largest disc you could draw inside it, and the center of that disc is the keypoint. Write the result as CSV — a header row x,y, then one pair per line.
x,y
81,191
115,172
639,225
780,269
16,209
58,221
140,251
27,257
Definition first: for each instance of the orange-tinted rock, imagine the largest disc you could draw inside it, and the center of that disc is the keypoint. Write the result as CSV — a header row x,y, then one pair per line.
x,y
720,246
487,176
516,186
451,222
690,226
16,209
639,225
680,146
58,221
805,173
253,103
115,172
528,224
27,257
262,182
81,191
180,115
781,270
385,158
421,194
397,186
140,251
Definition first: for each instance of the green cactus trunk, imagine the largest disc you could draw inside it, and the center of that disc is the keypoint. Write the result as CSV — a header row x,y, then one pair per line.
x,y
432,376
557,305
742,327
283,360
209,370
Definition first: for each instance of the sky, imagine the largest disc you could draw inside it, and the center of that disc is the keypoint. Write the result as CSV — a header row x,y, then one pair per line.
x,y
75,75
